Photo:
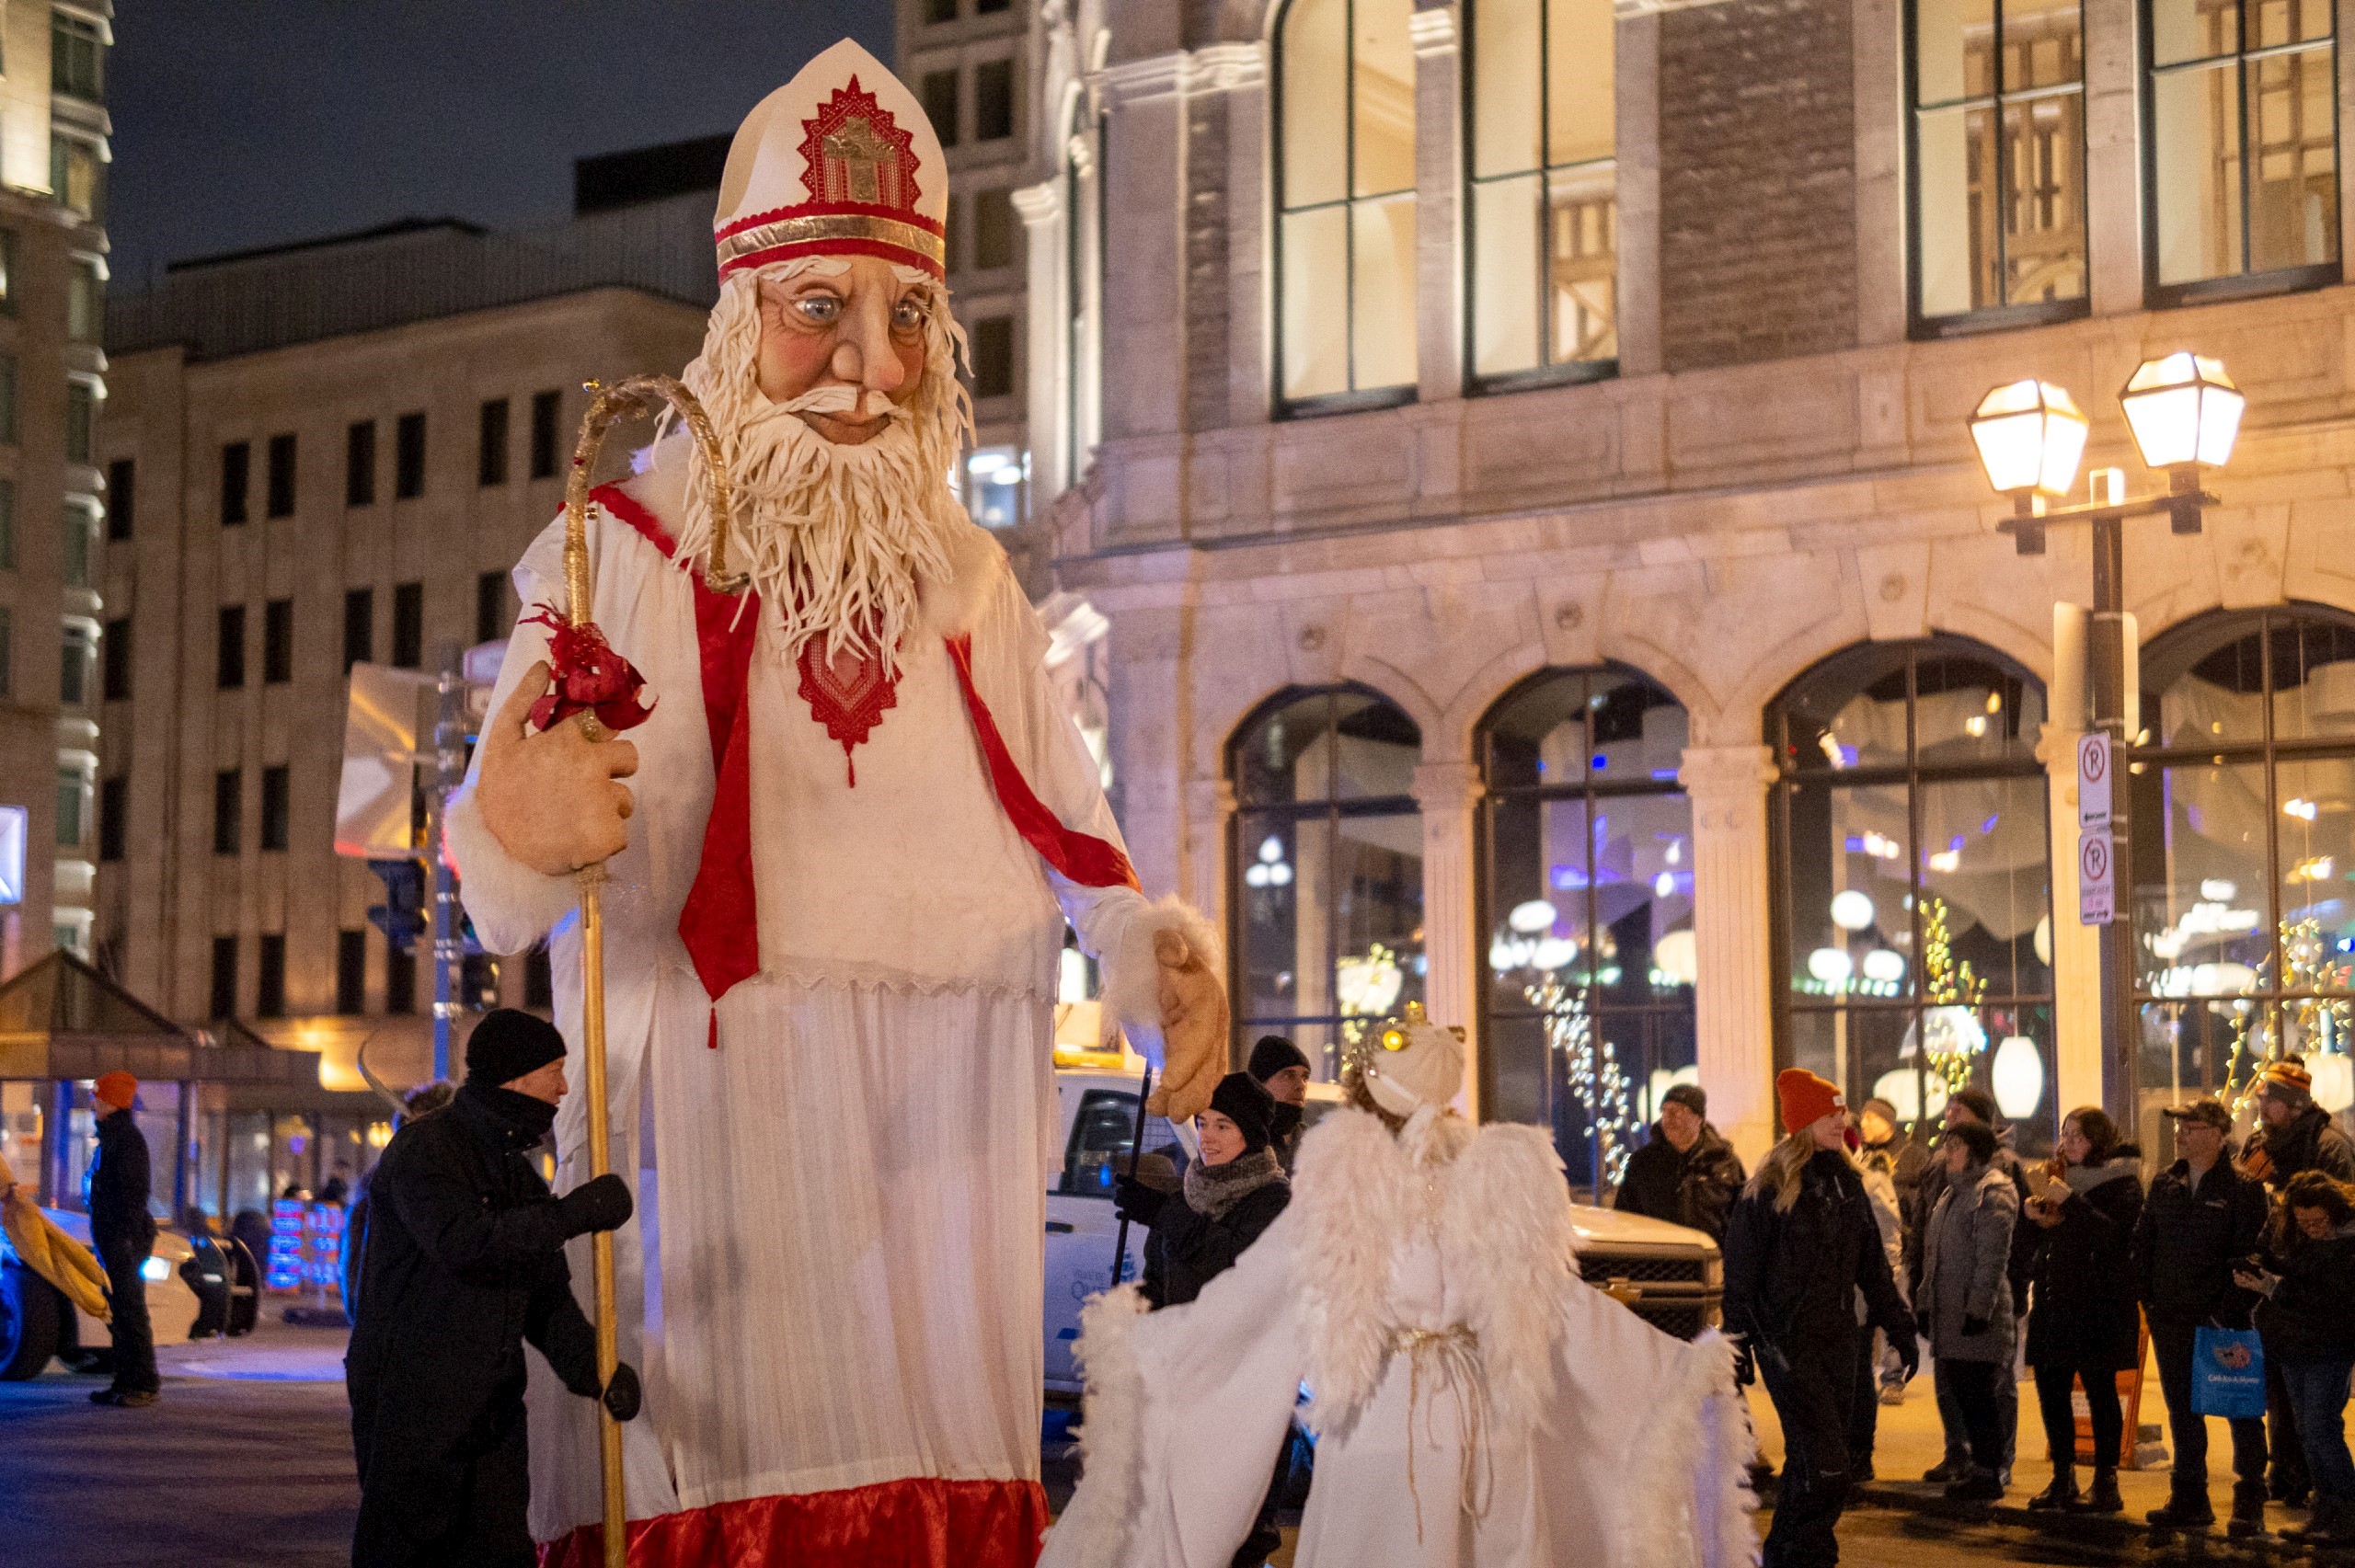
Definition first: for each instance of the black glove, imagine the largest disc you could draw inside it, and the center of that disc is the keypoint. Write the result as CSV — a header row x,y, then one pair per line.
x,y
622,1393
1745,1365
601,1203
1909,1356
1974,1327
1137,1203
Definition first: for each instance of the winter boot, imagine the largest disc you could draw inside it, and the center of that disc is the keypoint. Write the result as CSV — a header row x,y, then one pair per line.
x,y
2330,1525
2061,1493
1978,1486
2249,1510
2104,1497
1947,1471
2188,1508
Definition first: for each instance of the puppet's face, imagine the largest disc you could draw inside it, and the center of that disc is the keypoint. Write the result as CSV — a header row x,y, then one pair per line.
x,y
861,329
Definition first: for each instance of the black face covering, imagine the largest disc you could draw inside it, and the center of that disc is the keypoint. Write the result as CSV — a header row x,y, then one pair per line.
x,y
526,1118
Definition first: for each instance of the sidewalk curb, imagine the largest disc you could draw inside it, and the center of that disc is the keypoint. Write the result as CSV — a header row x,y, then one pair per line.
x,y
2119,1530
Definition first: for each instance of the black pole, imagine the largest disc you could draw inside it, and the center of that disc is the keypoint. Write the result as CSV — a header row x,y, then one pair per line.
x,y
1136,1146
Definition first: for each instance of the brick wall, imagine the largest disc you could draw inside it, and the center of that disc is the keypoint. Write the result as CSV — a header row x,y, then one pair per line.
x,y
1757,196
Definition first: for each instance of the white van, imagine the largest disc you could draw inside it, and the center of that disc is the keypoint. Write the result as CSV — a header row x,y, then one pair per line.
x,y
1099,1106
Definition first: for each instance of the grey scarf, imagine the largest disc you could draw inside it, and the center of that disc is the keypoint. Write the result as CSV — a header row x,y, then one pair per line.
x,y
1214,1189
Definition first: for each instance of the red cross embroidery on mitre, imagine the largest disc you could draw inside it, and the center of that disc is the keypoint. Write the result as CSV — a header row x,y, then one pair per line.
x,y
854,152
848,693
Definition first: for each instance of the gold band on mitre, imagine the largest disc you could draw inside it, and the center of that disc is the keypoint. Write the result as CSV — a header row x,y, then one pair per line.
x,y
860,229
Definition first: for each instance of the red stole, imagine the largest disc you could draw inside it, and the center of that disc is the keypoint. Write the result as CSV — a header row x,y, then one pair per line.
x,y
720,924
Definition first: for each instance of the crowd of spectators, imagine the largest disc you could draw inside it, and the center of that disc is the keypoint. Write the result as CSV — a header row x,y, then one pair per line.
x,y
1857,1235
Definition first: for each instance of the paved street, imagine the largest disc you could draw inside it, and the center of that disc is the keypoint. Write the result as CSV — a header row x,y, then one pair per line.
x,y
247,1462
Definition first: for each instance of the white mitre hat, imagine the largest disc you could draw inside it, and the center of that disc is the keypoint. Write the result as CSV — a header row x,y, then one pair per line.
x,y
840,161
1409,1063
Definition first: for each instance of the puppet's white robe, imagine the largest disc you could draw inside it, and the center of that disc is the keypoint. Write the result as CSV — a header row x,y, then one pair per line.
x,y
1539,1423
832,1283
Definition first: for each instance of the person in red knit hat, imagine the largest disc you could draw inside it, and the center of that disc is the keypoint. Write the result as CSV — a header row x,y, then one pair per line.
x,y
1800,1245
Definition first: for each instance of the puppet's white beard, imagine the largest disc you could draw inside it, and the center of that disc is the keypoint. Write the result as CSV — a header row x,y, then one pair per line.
x,y
836,538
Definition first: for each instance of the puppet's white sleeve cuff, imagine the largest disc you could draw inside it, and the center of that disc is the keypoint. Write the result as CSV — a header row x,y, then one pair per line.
x,y
511,905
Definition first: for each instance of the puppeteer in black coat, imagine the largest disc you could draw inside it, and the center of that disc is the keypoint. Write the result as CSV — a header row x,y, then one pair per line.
x,y
463,1264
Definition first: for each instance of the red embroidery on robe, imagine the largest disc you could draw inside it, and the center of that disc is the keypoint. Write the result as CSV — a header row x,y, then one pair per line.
x,y
848,693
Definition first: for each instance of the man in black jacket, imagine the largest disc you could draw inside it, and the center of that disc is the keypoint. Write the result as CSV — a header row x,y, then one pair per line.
x,y
1687,1174
123,1233
2201,1218
463,1264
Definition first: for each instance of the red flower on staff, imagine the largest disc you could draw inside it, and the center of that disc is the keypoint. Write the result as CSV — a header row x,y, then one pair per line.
x,y
587,676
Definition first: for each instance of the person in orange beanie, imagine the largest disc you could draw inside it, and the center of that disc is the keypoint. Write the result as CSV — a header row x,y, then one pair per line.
x,y
123,1233
1799,1245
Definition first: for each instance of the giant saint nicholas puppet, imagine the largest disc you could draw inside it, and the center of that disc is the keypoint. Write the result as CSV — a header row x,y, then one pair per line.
x,y
843,849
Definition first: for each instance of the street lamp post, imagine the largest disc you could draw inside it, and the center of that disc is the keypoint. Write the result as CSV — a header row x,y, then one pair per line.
x,y
2184,414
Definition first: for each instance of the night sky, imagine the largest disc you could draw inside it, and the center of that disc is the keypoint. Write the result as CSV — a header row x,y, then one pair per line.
x,y
267,120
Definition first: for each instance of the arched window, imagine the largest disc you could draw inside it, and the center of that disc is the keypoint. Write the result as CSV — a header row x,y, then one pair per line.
x,y
1542,203
2243,851
1912,861
1998,144
1586,912
1345,184
1326,881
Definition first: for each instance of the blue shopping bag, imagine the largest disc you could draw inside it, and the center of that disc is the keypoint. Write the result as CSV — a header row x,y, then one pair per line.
x,y
2228,1374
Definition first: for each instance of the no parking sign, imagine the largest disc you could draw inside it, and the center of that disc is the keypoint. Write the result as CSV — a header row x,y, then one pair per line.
x,y
2096,877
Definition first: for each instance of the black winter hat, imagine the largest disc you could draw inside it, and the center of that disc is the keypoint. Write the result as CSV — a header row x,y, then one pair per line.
x,y
1272,1055
1241,1099
507,1044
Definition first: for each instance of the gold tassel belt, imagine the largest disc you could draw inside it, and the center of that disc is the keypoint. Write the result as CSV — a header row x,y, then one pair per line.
x,y
1450,1357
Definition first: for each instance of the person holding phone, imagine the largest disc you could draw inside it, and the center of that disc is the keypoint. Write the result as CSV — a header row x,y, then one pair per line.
x,y
2083,1325
2307,1278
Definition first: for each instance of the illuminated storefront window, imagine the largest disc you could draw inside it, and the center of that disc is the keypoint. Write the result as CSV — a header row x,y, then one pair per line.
x,y
1586,912
1325,869
1910,851
2243,847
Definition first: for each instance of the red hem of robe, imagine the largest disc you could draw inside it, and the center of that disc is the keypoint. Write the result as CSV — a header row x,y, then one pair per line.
x,y
922,1522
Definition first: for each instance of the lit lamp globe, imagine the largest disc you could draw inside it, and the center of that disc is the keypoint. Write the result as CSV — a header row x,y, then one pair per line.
x,y
2185,412
2018,1077
2030,436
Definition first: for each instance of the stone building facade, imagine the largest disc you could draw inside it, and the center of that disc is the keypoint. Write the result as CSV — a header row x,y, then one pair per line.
x,y
341,451
976,65
1640,678
53,498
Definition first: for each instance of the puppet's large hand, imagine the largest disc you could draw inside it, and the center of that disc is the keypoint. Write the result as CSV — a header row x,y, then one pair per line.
x,y
552,800
1194,1029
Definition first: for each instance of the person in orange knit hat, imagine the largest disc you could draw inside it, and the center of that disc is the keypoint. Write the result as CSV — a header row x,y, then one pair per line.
x,y
123,1233
1800,1245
